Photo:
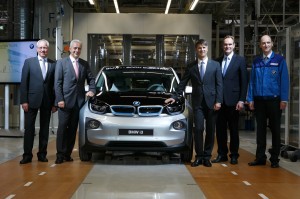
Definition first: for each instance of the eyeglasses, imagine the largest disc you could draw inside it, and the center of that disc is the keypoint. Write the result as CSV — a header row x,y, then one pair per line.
x,y
42,47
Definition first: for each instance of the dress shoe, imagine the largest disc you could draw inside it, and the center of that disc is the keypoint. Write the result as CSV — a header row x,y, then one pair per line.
x,y
256,163
25,160
59,160
68,159
197,162
207,163
233,161
42,159
220,158
274,164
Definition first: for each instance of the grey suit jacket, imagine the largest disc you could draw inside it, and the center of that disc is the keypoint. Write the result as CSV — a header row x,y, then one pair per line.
x,y
235,81
67,87
33,87
211,87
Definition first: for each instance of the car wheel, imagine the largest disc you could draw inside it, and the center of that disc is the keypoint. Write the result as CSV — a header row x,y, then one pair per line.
x,y
187,156
293,157
84,156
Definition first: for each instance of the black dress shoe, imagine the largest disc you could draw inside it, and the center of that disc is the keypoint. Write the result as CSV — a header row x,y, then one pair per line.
x,y
220,158
42,159
274,164
207,163
68,159
197,162
59,160
25,160
256,163
233,161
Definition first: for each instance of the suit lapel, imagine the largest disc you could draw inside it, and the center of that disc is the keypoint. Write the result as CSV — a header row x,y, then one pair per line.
x,y
233,59
37,62
196,71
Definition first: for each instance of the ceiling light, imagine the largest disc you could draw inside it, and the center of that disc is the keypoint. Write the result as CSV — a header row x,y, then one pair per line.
x,y
116,6
193,5
92,2
168,6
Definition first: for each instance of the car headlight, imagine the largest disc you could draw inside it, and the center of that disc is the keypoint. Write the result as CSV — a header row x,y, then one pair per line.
x,y
179,125
174,109
92,123
99,107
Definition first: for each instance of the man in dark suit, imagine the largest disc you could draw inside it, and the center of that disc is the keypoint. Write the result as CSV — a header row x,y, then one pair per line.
x,y
37,94
206,79
70,76
234,72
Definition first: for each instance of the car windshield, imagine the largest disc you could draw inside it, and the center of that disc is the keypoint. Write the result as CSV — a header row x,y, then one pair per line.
x,y
137,78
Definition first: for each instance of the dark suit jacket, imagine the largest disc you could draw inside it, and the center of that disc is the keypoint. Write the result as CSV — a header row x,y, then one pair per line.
x,y
33,88
67,87
235,80
210,88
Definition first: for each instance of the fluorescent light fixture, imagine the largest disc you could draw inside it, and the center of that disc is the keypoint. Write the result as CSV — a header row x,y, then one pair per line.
x,y
116,6
92,2
168,6
193,5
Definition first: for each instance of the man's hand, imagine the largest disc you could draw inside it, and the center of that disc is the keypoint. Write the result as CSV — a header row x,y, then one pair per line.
x,y
169,101
61,104
283,105
217,106
251,106
239,106
25,107
54,109
90,94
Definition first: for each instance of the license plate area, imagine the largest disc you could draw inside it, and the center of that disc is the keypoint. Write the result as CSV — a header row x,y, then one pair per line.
x,y
136,132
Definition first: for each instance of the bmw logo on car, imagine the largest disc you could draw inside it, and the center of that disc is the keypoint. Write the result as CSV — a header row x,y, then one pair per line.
x,y
136,103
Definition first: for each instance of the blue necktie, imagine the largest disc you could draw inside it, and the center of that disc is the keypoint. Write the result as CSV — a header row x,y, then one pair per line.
x,y
225,66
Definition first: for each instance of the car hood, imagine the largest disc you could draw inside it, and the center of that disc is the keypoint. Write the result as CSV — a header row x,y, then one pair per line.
x,y
129,98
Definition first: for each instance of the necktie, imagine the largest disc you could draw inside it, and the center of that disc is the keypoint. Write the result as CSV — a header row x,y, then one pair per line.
x,y
202,70
75,65
225,66
44,69
266,59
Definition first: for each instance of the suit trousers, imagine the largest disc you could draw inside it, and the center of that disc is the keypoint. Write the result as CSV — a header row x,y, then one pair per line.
x,y
66,131
30,118
228,118
267,112
204,146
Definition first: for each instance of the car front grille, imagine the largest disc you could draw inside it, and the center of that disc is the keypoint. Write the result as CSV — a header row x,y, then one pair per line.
x,y
127,110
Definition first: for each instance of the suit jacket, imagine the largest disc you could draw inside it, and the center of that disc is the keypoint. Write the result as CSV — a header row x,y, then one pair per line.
x,y
67,87
211,87
235,81
33,87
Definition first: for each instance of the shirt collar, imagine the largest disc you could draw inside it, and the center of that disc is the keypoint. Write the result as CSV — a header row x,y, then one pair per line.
x,y
204,60
73,59
269,55
41,59
229,56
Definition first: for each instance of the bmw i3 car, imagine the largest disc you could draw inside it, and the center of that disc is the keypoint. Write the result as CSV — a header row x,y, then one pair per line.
x,y
128,113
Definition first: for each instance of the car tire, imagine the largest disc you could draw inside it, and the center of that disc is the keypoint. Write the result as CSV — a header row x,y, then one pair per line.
x,y
187,156
84,156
